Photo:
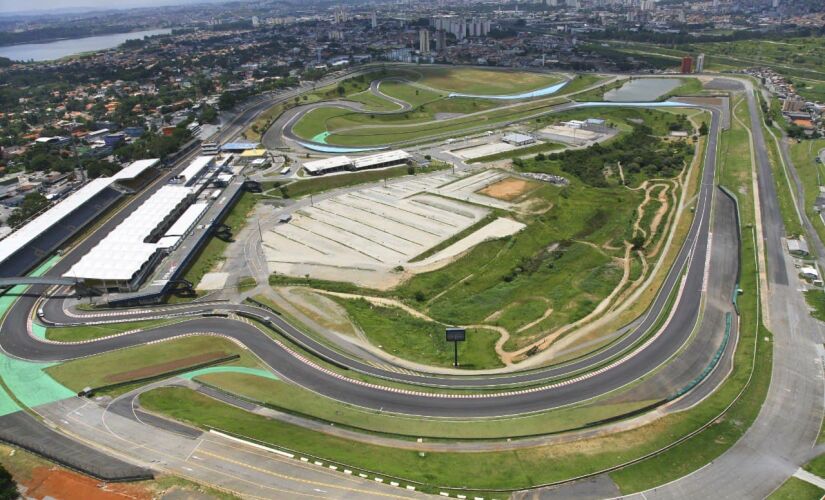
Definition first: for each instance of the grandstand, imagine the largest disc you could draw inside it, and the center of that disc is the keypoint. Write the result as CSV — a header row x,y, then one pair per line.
x,y
24,248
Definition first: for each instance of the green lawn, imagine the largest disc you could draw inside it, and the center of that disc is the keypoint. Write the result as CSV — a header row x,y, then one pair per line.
x,y
372,102
89,332
111,367
581,82
295,399
597,94
414,96
784,185
797,489
212,253
403,335
483,81
816,299
816,466
812,175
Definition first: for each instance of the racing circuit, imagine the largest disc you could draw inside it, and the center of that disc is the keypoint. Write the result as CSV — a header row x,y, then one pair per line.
x,y
700,313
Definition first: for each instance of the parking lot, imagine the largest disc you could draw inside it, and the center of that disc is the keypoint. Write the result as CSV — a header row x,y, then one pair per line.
x,y
363,236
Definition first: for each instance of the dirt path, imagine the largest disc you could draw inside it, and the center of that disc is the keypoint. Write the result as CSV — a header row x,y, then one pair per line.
x,y
545,341
531,324
504,335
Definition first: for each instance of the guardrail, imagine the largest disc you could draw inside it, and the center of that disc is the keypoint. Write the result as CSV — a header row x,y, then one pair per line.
x,y
735,201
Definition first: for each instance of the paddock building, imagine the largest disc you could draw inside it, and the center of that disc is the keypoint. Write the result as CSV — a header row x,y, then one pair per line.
x,y
123,259
347,164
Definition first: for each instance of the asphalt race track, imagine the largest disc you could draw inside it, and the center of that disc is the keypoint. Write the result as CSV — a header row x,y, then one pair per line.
x,y
634,363
631,357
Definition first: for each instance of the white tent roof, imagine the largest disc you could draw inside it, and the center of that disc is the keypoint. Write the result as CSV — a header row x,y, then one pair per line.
x,y
185,221
124,251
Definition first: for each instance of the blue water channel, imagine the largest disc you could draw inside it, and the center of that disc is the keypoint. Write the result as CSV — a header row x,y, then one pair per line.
x,y
526,95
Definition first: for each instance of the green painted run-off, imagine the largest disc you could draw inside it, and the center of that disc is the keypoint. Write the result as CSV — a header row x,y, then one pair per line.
x,y
229,369
26,380
321,138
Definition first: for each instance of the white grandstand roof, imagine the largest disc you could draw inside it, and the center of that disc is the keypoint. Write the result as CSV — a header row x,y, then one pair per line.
x,y
124,251
195,168
135,169
187,218
19,239
327,164
380,158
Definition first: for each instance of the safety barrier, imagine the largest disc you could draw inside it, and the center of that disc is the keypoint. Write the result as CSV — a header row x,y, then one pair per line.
x,y
713,361
735,201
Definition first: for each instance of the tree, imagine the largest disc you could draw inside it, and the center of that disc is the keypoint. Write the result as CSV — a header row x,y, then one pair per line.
x,y
638,242
8,488
208,114
703,129
32,203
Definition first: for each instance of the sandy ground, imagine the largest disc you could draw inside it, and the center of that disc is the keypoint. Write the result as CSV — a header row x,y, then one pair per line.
x,y
509,189
53,483
213,281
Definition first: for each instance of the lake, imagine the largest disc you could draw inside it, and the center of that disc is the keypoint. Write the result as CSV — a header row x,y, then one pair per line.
x,y
642,89
62,48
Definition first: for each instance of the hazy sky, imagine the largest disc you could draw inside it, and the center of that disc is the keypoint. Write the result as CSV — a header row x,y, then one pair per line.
x,y
46,5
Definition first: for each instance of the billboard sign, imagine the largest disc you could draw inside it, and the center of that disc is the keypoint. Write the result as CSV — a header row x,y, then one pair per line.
x,y
456,335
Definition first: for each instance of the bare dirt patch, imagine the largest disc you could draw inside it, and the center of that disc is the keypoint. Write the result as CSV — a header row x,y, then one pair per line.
x,y
150,371
57,483
509,189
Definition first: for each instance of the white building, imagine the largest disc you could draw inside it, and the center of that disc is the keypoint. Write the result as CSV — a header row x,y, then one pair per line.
x,y
424,41
518,139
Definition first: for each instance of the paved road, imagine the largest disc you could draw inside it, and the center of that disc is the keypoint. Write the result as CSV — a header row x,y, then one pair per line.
x,y
211,459
783,436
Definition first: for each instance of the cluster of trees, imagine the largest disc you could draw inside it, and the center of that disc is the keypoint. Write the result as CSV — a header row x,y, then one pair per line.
x,y
153,145
8,488
684,37
638,152
32,204
230,98
44,159
797,132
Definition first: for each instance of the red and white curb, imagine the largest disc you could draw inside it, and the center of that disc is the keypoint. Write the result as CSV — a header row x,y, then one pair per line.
x,y
319,463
